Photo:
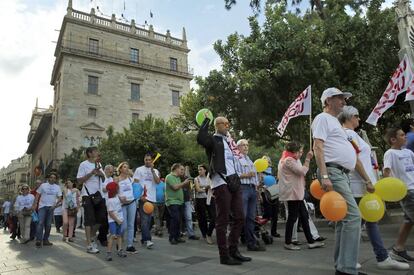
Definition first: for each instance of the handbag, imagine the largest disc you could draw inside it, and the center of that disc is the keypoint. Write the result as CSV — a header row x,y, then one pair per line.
x,y
233,182
96,198
272,192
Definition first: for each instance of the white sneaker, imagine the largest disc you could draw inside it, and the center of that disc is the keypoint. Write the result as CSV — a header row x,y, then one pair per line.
x,y
316,245
94,244
389,263
92,249
135,240
149,244
358,266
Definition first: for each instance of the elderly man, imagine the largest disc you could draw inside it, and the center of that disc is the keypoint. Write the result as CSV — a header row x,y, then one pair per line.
x,y
249,181
221,151
336,157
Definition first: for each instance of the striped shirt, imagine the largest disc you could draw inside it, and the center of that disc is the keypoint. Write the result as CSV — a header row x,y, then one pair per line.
x,y
244,165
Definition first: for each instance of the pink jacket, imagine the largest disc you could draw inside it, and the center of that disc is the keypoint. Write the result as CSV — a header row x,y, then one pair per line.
x,y
291,174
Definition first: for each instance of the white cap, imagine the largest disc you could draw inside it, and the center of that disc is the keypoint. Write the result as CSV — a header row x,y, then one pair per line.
x,y
330,92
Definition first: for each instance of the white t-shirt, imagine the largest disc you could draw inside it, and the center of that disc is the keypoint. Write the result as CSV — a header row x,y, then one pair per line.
x,y
357,182
114,204
24,202
125,189
146,179
49,193
69,200
58,211
93,182
104,184
6,207
401,163
337,148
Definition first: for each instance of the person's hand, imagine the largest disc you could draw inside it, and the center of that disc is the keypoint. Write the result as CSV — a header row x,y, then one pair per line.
x,y
122,199
119,222
34,207
327,185
370,187
186,182
309,155
251,174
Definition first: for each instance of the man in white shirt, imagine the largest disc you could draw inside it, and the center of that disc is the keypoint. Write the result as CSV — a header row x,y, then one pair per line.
x,y
336,157
48,196
148,177
6,211
90,175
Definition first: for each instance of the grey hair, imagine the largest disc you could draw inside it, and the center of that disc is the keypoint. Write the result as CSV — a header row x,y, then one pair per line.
x,y
241,141
108,167
347,113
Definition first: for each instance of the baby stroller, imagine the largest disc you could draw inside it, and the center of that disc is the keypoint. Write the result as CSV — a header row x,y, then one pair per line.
x,y
261,231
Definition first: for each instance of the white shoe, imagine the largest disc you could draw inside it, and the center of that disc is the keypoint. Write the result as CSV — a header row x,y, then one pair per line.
x,y
135,240
92,249
149,244
291,247
389,263
358,266
94,245
316,245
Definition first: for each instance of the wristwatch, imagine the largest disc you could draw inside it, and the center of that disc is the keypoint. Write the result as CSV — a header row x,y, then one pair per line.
x,y
324,177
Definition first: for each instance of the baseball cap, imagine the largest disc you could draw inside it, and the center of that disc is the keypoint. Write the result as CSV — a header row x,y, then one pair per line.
x,y
330,92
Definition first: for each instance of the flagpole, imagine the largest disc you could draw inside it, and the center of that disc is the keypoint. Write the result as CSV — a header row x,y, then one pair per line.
x,y
310,121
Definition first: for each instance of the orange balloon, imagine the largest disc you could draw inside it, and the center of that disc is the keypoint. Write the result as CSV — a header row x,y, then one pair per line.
x,y
333,206
148,208
316,189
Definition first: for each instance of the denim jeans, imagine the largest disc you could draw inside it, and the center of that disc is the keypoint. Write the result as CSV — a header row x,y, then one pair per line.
x,y
45,222
348,230
145,223
174,212
188,216
159,209
249,210
129,211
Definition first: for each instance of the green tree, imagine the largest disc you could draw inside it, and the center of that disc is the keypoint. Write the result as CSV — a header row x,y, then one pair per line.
x,y
68,167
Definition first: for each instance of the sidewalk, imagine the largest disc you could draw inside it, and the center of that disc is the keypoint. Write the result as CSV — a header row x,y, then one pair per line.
x,y
193,257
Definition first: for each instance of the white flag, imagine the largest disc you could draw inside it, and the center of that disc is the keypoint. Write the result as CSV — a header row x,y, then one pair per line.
x,y
401,81
300,107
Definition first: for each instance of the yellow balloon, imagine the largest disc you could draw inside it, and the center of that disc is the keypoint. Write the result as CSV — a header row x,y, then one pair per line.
x,y
261,165
391,189
371,207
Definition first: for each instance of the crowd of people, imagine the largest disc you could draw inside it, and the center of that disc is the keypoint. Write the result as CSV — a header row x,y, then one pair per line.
x,y
228,195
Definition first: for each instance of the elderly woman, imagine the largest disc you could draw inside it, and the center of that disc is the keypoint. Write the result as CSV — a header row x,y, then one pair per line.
x,y
349,118
23,208
291,174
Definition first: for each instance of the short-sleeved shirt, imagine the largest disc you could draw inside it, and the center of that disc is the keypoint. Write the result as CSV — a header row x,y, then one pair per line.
x,y
401,164
173,197
69,199
337,148
93,183
114,204
144,176
125,189
357,182
6,207
203,182
49,194
24,202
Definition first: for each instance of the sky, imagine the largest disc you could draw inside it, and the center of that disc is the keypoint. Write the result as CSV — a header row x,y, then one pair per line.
x,y
30,29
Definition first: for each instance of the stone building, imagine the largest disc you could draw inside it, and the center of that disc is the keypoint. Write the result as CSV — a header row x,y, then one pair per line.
x,y
108,73
13,176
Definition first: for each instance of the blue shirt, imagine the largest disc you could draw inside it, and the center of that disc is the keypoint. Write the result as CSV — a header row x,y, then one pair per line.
x,y
410,141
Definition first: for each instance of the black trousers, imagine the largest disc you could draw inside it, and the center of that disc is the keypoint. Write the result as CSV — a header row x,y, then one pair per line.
x,y
103,228
271,211
297,210
206,215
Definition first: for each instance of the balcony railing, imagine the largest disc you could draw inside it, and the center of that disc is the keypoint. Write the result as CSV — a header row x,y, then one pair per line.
x,y
122,57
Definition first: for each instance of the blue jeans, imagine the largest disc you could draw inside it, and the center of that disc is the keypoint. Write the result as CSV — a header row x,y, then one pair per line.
x,y
249,210
174,211
45,221
145,223
188,216
129,211
348,230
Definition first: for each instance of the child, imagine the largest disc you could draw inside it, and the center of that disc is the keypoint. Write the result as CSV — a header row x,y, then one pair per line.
x,y
399,163
115,219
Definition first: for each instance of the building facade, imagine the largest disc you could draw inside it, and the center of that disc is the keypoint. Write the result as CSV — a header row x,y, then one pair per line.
x,y
13,176
109,73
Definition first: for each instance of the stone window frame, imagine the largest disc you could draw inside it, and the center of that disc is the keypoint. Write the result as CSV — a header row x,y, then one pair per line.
x,y
93,45
92,112
175,101
92,73
134,55
135,80
174,64
138,98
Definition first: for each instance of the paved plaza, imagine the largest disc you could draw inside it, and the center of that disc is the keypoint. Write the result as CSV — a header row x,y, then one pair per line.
x,y
193,257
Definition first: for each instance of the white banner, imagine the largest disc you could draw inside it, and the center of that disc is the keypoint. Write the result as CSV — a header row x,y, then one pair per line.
x,y
401,81
302,106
